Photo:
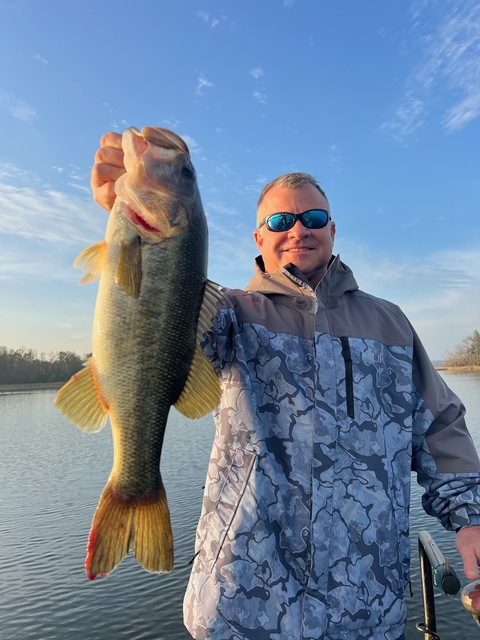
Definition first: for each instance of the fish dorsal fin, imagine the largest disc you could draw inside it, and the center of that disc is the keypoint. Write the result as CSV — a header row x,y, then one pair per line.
x,y
92,260
129,268
81,401
201,393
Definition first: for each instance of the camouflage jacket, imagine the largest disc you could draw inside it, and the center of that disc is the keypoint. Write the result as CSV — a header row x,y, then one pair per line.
x,y
328,402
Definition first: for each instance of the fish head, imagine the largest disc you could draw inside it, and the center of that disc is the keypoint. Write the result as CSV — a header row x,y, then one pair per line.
x,y
159,193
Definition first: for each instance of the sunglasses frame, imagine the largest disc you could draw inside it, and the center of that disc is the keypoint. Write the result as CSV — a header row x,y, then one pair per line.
x,y
297,216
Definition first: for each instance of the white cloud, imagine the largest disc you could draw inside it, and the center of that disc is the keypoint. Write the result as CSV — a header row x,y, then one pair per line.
x,y
446,76
49,216
213,21
256,73
38,57
171,123
202,84
17,108
409,115
191,143
260,97
9,172
80,187
335,154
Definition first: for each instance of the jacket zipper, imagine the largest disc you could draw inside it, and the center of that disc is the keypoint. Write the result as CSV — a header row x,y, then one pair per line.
x,y
347,356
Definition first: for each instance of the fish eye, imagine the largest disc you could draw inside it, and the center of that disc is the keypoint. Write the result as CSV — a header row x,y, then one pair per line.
x,y
187,172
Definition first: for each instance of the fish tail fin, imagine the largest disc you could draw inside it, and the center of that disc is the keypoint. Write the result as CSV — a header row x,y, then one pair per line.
x,y
120,525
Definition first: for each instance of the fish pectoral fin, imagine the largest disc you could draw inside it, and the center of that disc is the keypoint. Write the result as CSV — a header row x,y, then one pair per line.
x,y
120,525
129,268
80,400
201,393
92,260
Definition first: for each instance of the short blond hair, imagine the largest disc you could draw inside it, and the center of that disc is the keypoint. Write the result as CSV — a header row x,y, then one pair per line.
x,y
291,180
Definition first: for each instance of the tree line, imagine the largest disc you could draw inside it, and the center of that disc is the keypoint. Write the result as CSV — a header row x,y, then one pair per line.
x,y
26,366
465,354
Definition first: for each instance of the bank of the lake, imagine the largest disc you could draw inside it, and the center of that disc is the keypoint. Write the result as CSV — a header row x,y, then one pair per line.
x,y
33,386
470,369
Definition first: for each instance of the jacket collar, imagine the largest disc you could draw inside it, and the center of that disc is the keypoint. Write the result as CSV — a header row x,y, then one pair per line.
x,y
286,280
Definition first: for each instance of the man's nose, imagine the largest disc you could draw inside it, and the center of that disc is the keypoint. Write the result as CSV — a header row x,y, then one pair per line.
x,y
298,230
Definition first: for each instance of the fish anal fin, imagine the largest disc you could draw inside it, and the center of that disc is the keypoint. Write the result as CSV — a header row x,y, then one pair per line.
x,y
92,260
120,525
80,399
129,268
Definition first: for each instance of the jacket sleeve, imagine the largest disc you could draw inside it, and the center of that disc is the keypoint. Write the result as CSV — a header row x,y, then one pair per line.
x,y
218,342
444,455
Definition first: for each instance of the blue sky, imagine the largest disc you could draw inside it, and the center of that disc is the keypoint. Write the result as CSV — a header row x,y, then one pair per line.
x,y
379,100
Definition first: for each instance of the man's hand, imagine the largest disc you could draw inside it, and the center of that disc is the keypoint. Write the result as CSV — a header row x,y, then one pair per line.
x,y
468,545
107,168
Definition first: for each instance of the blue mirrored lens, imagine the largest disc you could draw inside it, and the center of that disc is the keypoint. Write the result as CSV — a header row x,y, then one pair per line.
x,y
281,221
312,219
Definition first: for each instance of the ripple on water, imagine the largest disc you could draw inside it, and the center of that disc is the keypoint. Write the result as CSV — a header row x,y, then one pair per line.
x,y
51,476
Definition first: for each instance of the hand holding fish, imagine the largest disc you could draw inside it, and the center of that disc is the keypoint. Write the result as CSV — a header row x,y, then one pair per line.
x,y
107,168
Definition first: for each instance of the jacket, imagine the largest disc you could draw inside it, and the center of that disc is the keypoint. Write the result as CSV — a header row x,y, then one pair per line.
x,y
328,402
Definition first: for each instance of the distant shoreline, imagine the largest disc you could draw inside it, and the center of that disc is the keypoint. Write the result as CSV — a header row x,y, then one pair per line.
x,y
38,386
10,388
471,369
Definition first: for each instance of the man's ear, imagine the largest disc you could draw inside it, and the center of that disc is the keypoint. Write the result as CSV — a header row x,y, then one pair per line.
x,y
333,229
258,237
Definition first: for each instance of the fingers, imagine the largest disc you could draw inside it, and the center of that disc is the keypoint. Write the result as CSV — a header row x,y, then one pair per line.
x,y
111,139
108,167
474,597
468,545
470,566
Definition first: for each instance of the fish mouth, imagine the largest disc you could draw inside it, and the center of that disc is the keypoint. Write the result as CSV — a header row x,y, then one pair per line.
x,y
164,138
138,221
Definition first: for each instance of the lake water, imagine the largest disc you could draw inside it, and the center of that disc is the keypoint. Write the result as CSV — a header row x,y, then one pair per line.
x,y
51,475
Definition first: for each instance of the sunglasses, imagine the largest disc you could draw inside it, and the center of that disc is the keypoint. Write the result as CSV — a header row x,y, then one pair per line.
x,y
283,221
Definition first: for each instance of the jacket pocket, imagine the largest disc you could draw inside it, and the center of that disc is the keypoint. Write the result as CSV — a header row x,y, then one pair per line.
x,y
347,356
217,523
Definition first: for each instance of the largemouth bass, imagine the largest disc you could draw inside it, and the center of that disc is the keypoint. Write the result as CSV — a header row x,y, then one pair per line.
x,y
154,302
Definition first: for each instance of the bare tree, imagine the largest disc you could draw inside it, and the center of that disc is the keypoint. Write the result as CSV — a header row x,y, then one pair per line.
x,y
467,353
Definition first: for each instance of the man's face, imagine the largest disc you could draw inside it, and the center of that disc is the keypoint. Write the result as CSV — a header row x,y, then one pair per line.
x,y
309,249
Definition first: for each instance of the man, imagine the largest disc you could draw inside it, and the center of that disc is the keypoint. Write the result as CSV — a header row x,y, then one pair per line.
x,y
328,401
